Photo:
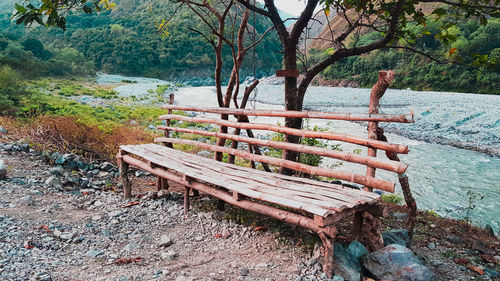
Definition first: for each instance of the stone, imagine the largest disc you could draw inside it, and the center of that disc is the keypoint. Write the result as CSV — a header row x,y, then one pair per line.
x,y
169,256
60,160
93,253
54,182
487,228
454,239
357,250
8,147
132,246
345,264
226,234
67,236
3,170
165,241
396,236
163,194
431,246
106,232
479,246
396,262
337,278
57,171
244,271
400,216
491,273
3,130
106,166
115,213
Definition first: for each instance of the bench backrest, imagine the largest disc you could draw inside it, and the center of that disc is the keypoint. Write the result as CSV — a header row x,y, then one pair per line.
x,y
241,122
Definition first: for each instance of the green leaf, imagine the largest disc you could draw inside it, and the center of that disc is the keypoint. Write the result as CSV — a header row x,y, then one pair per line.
x,y
439,12
20,8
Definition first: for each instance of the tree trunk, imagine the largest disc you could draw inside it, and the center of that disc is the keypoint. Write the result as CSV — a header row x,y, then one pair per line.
x,y
292,102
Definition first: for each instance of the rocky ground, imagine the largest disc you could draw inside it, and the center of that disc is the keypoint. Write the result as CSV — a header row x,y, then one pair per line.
x,y
71,223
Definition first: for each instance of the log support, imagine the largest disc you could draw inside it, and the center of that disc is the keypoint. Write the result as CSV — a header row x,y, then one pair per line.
x,y
187,190
357,226
328,240
373,232
123,166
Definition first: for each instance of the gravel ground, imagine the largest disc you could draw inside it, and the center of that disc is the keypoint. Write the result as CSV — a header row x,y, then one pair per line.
x,y
49,234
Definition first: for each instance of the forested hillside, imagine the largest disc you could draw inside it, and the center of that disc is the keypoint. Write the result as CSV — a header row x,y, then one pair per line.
x,y
126,41
474,72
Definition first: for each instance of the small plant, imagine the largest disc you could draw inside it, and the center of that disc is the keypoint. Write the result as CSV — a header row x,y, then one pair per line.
x,y
449,254
473,199
392,198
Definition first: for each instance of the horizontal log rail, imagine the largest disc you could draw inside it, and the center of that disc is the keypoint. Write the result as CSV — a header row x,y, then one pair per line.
x,y
318,171
401,118
401,149
388,165
285,216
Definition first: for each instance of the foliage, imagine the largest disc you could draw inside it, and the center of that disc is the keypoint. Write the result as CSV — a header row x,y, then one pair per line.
x,y
124,40
11,89
32,59
420,73
392,198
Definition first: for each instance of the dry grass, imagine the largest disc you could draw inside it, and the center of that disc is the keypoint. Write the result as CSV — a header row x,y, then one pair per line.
x,y
68,134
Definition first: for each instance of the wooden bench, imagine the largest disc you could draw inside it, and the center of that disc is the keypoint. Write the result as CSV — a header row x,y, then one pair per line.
x,y
313,204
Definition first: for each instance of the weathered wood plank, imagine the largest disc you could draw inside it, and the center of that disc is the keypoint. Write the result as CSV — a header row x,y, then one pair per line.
x,y
401,149
402,118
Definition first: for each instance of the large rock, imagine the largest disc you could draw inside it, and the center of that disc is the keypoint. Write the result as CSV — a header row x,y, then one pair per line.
x,y
357,250
345,264
396,236
395,262
3,170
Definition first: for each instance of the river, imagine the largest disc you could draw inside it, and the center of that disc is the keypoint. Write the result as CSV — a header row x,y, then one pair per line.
x,y
454,142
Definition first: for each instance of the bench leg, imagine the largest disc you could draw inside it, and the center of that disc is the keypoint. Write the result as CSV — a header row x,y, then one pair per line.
x,y
357,226
373,232
187,190
328,247
161,183
127,191
221,204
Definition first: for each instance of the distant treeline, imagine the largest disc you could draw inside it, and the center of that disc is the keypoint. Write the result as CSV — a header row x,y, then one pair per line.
x,y
475,73
126,41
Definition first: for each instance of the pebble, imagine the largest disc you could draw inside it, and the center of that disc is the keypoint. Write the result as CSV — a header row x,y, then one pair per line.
x,y
169,256
431,246
244,271
165,241
93,253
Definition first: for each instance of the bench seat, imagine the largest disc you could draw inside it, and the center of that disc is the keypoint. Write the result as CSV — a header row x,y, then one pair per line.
x,y
315,197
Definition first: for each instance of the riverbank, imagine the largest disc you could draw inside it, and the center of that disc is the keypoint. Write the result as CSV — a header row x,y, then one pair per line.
x,y
66,227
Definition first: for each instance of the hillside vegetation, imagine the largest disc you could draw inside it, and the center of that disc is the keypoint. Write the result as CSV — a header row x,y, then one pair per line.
x,y
474,72
126,41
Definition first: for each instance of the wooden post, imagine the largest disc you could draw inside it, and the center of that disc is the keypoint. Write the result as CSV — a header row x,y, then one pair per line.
x,y
123,166
187,190
163,183
411,204
357,226
328,248
373,232
384,80
167,132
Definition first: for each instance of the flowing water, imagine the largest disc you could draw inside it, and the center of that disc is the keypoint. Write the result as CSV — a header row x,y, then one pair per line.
x,y
454,142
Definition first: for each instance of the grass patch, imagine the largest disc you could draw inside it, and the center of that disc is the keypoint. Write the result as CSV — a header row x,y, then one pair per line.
x,y
392,198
